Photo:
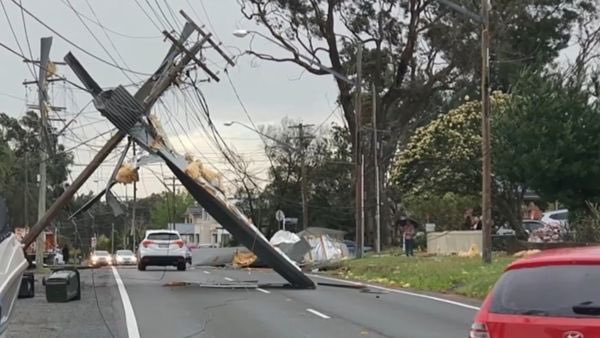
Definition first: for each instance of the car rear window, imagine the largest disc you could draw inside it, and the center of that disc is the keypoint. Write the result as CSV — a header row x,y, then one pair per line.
x,y
101,253
560,217
547,290
163,236
124,252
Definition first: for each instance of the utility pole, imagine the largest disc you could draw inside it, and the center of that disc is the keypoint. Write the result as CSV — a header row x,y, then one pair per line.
x,y
45,45
303,179
174,183
112,238
376,167
133,204
358,184
486,190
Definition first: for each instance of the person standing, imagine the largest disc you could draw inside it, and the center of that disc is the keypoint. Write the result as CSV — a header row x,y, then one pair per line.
x,y
65,253
409,241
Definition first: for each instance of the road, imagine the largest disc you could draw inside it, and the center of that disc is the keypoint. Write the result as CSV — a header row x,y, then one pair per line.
x,y
194,311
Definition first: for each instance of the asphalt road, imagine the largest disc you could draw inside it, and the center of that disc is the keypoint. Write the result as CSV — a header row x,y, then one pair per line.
x,y
194,311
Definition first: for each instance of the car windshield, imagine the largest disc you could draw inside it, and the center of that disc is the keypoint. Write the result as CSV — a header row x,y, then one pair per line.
x,y
124,253
163,236
101,253
547,290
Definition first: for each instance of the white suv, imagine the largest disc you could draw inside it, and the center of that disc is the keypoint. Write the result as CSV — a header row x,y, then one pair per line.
x,y
162,248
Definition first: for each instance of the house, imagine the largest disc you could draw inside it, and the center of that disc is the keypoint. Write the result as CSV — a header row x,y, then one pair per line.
x,y
201,229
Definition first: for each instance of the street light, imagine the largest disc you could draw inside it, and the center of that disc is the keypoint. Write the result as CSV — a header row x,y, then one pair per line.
x,y
242,33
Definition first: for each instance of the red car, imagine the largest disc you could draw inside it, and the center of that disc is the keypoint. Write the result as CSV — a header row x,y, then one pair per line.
x,y
552,294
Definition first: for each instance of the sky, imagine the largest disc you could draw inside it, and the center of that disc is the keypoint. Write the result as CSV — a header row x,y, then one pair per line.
x,y
268,91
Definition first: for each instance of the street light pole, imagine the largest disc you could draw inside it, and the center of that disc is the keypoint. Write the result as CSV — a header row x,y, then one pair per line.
x,y
486,156
486,190
358,181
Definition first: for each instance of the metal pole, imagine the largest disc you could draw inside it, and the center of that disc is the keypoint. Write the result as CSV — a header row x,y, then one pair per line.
x,y
45,45
112,238
133,205
376,167
358,158
485,133
303,178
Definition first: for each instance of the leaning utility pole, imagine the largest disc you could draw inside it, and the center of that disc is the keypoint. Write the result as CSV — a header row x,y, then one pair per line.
x,y
178,57
486,190
42,83
358,179
376,167
303,177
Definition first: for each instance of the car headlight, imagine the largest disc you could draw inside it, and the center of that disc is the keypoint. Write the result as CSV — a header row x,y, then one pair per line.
x,y
94,258
133,259
119,259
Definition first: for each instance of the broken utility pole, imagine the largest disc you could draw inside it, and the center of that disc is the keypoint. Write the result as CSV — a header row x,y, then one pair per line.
x,y
130,114
164,71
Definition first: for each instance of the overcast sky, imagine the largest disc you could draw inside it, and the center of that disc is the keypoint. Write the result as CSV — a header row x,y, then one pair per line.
x,y
270,91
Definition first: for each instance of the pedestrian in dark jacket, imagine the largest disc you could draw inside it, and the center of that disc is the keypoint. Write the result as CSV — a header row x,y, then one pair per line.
x,y
409,242
65,253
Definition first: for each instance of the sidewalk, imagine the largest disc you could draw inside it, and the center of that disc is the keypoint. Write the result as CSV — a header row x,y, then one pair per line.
x,y
35,317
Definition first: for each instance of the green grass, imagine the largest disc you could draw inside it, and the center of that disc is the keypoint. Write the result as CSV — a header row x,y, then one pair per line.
x,y
457,275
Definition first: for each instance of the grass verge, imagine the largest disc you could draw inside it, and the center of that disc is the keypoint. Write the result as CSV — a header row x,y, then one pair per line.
x,y
456,275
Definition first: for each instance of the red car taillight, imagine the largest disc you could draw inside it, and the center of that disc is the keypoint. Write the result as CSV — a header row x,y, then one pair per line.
x,y
146,243
180,243
478,330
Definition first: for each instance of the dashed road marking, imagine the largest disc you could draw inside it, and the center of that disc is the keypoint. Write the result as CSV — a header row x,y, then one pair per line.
x,y
229,279
317,313
206,272
263,290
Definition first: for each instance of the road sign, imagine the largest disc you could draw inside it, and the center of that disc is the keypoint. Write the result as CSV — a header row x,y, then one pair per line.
x,y
279,215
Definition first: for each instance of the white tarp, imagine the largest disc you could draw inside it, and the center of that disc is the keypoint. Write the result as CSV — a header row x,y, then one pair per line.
x,y
325,249
283,236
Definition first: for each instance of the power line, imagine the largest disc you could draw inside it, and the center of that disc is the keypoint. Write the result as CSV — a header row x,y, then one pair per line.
x,y
147,15
68,3
76,45
16,39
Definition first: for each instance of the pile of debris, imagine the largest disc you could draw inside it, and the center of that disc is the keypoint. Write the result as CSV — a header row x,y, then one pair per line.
x,y
309,249
305,249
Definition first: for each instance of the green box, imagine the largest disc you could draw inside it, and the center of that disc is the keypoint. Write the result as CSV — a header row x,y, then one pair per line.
x,y
63,286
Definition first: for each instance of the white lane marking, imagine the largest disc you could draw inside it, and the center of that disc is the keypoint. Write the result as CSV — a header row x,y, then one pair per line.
x,y
402,292
229,279
317,313
206,272
263,290
132,327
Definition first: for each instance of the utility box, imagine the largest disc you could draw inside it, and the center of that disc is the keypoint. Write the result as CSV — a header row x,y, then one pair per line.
x,y
63,286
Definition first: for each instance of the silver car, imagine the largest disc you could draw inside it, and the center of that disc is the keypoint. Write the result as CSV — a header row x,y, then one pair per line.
x,y
125,257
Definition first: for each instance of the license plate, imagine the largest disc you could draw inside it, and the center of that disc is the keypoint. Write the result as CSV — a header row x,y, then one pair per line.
x,y
163,245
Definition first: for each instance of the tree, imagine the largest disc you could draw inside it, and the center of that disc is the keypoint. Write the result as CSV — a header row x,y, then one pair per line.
x,y
549,138
328,172
22,138
416,55
444,157
170,209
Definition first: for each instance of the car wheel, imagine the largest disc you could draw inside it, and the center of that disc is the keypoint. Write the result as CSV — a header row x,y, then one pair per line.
x,y
141,267
181,266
